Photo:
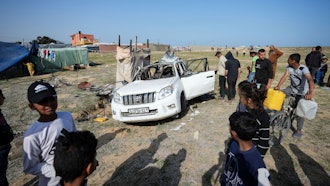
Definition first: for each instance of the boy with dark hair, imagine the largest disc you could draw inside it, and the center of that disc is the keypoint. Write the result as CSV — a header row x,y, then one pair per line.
x,y
244,165
75,157
39,140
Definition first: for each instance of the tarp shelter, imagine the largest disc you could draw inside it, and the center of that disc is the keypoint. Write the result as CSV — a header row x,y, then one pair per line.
x,y
128,62
11,54
50,59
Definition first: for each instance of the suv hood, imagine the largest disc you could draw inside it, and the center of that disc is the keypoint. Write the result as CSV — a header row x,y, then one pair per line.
x,y
144,86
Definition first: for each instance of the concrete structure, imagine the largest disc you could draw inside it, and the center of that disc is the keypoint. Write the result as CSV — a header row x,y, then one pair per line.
x,y
79,39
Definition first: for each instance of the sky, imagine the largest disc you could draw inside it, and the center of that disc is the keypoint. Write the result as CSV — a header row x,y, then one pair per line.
x,y
175,22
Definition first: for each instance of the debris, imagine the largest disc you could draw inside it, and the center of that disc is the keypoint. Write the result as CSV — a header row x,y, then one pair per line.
x,y
84,85
196,112
84,116
100,119
196,135
178,127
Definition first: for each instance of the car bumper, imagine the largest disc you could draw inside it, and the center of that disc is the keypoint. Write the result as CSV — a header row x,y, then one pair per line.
x,y
160,109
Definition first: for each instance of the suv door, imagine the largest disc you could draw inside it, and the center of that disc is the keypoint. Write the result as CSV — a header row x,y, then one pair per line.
x,y
195,83
198,84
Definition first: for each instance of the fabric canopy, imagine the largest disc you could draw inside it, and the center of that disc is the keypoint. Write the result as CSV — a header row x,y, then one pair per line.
x,y
49,59
10,54
128,63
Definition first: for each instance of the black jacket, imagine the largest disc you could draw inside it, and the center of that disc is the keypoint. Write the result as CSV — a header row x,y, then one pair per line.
x,y
314,59
232,65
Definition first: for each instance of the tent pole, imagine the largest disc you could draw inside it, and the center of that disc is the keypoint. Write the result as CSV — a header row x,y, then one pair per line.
x,y
135,43
130,45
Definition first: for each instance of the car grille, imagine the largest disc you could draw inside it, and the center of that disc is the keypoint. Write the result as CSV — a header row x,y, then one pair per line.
x,y
139,99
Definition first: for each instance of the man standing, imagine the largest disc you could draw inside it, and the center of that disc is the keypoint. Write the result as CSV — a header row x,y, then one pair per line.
x,y
221,72
301,86
274,54
233,68
264,70
314,61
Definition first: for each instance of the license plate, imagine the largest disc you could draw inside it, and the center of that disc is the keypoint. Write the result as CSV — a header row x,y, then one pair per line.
x,y
138,110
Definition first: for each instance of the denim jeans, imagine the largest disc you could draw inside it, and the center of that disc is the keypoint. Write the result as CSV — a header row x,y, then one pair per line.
x,y
319,77
251,76
4,151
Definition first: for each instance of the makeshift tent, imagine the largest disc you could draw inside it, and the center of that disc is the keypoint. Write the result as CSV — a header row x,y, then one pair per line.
x,y
128,62
11,54
50,59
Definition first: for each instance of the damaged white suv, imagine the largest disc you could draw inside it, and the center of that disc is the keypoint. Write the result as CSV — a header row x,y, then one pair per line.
x,y
161,90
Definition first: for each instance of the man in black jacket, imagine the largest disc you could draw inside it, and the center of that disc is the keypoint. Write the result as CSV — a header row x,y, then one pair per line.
x,y
232,72
314,60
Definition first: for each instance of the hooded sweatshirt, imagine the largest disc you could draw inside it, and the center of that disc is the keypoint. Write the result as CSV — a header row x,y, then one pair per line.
x,y
232,65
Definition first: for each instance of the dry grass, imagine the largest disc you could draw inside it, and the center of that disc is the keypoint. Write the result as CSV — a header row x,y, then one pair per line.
x,y
153,152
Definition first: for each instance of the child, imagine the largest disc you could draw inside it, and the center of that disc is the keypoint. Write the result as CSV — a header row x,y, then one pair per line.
x,y
6,136
252,98
244,165
75,154
39,139
253,66
320,74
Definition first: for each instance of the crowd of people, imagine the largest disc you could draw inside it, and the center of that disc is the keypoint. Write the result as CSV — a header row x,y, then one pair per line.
x,y
58,154
252,93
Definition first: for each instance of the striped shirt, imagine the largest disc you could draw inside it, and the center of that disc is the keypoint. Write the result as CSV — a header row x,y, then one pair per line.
x,y
261,139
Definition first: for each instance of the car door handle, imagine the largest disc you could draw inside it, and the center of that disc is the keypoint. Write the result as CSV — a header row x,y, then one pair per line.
x,y
209,76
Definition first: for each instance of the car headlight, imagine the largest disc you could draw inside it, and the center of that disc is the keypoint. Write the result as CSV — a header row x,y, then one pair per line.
x,y
117,98
164,92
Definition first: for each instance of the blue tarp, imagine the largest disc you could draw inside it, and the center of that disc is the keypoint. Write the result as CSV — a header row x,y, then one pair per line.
x,y
10,54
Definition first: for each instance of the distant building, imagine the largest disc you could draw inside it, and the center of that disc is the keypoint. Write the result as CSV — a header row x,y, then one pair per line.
x,y
80,39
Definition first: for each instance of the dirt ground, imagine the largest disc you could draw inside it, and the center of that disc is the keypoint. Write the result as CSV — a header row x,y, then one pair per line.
x,y
183,151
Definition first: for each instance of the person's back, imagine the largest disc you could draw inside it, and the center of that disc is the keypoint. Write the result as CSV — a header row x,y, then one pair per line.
x,y
232,65
244,165
232,72
39,139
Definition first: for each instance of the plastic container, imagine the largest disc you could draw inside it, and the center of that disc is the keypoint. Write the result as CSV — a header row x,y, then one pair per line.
x,y
274,100
307,109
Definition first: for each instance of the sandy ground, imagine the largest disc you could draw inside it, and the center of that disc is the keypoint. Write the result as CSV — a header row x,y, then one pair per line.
x,y
183,151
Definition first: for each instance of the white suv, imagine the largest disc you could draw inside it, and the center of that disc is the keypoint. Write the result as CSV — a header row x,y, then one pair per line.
x,y
160,90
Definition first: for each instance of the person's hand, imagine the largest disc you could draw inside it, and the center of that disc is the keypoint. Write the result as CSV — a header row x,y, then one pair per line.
x,y
309,96
277,88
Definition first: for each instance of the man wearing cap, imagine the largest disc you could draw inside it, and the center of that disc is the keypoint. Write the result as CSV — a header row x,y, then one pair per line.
x,y
39,140
221,72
